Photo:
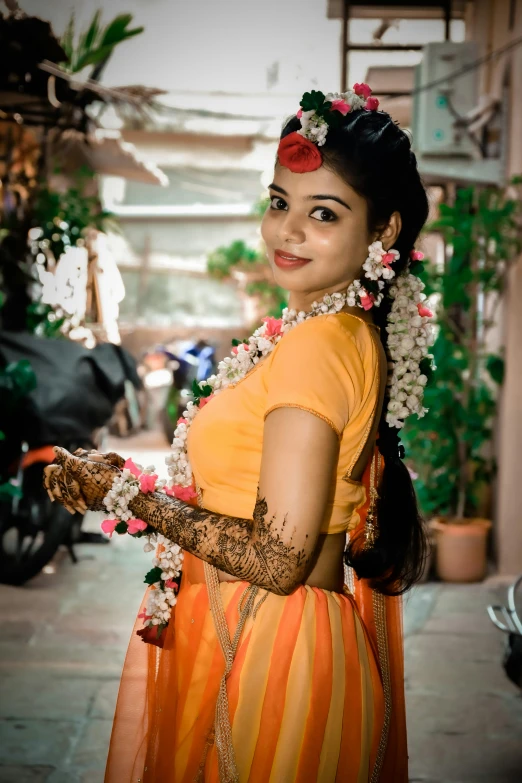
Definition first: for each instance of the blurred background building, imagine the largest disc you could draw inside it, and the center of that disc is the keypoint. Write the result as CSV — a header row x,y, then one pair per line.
x,y
232,72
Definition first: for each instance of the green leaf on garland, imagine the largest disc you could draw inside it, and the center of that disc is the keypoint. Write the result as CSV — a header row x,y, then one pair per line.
x,y
121,528
312,100
153,576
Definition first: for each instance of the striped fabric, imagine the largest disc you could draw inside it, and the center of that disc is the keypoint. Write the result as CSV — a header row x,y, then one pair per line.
x,y
305,695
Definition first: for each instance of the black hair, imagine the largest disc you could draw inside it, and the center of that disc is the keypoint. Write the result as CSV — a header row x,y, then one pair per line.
x,y
374,156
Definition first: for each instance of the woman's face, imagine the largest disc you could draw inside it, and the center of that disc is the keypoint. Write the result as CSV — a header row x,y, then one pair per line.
x,y
317,216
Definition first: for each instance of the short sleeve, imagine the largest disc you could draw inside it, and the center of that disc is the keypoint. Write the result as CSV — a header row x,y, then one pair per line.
x,y
317,367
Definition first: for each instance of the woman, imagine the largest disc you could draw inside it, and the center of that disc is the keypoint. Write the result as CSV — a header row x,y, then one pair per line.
x,y
272,667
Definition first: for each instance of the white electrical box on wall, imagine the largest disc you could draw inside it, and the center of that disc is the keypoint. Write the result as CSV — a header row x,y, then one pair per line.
x,y
434,125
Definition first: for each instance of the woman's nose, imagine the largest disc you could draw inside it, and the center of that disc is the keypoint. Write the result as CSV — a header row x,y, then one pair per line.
x,y
291,229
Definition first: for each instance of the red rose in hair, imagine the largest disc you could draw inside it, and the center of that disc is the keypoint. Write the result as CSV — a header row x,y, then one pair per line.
x,y
299,154
149,634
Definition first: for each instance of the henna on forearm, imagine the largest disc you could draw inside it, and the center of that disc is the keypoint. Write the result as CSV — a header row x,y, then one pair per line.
x,y
249,549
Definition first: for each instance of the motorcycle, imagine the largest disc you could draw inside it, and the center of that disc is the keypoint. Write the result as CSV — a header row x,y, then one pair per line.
x,y
511,625
70,406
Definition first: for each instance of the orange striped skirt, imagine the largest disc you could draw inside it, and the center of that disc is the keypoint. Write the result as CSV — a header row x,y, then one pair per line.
x,y
305,693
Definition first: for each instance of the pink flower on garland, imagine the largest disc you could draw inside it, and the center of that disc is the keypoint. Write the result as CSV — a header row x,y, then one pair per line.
x,y
129,465
367,300
272,326
203,401
372,104
134,525
416,255
389,258
147,482
236,348
186,494
172,584
299,113
363,90
341,105
424,311
181,420
108,526
144,616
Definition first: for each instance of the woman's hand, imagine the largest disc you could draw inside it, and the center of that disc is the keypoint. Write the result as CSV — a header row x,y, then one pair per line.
x,y
81,482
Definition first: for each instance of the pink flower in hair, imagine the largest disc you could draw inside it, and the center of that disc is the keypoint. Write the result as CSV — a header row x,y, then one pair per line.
x,y
424,311
367,299
416,255
340,105
363,90
372,104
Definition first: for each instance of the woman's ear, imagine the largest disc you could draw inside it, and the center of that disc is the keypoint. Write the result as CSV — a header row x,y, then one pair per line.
x,y
389,236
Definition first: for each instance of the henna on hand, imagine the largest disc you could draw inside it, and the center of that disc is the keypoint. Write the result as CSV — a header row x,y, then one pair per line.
x,y
249,549
79,482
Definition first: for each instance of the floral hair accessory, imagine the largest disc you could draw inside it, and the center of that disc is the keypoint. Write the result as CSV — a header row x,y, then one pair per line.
x,y
319,112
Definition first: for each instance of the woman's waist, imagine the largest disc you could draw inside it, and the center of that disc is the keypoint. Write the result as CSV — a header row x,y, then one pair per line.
x,y
326,573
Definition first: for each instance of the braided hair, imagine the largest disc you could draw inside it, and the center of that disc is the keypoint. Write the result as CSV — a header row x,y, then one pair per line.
x,y
373,155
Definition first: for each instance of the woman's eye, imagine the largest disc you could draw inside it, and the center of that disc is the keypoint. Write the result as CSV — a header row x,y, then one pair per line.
x,y
276,198
330,217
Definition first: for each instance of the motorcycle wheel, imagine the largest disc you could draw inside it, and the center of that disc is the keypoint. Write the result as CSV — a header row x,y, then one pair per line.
x,y
30,539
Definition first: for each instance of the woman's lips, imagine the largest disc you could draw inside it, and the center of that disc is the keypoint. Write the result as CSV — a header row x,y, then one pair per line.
x,y
284,262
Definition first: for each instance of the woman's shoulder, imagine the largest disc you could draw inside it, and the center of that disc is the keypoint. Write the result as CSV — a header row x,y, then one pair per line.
x,y
330,329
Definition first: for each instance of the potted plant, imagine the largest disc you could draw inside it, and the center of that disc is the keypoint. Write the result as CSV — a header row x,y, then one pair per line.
x,y
451,448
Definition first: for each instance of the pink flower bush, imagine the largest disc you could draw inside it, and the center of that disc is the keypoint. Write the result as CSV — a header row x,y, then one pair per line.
x,y
134,525
273,326
363,90
147,482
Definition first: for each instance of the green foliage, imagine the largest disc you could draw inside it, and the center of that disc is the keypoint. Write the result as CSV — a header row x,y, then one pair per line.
x,y
450,448
17,380
64,218
221,261
96,44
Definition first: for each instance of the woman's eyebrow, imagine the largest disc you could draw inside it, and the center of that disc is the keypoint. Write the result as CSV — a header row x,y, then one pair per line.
x,y
320,197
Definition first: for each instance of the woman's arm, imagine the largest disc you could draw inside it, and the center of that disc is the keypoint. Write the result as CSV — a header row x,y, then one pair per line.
x,y
274,549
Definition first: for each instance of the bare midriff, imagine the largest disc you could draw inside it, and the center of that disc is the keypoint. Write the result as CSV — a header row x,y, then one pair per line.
x,y
327,571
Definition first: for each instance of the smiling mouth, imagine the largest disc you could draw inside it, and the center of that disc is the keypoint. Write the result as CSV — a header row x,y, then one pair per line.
x,y
285,261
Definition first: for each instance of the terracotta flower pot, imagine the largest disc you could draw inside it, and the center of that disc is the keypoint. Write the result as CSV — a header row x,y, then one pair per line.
x,y
461,548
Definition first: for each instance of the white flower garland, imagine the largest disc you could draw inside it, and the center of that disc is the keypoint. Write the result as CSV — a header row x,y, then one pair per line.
x,y
410,335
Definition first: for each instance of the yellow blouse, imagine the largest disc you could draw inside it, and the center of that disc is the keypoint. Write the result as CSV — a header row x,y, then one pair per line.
x,y
327,365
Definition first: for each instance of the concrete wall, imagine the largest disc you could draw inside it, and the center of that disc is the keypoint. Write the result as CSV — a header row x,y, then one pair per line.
x,y
494,23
